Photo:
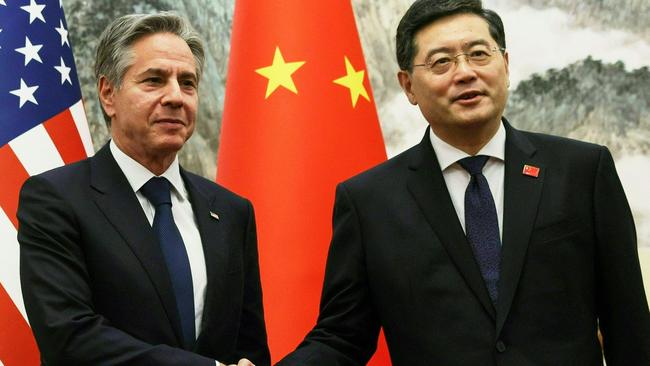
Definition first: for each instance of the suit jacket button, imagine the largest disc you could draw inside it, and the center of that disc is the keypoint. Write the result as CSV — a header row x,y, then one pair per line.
x,y
501,347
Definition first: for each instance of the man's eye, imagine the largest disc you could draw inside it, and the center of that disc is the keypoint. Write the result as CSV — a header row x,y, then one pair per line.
x,y
153,80
188,83
478,54
441,62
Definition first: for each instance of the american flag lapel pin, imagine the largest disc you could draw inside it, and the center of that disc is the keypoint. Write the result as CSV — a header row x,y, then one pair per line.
x,y
214,215
531,171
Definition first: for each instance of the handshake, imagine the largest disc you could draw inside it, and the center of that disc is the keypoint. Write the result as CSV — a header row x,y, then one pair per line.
x,y
242,362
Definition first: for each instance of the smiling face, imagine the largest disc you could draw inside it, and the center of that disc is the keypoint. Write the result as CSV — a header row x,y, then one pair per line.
x,y
153,112
465,104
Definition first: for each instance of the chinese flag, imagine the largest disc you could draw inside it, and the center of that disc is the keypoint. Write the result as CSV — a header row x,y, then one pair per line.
x,y
298,118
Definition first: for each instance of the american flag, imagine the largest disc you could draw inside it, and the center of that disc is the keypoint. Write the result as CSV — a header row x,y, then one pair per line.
x,y
42,125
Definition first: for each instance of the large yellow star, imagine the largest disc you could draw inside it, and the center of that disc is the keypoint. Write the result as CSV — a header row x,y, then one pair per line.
x,y
279,73
353,81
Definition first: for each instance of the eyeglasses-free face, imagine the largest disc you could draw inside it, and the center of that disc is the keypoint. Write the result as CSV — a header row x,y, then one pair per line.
x,y
460,78
153,112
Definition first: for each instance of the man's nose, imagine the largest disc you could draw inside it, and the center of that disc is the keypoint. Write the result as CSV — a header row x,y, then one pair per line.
x,y
463,70
173,95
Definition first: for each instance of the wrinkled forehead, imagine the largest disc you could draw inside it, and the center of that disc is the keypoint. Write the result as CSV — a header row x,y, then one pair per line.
x,y
162,51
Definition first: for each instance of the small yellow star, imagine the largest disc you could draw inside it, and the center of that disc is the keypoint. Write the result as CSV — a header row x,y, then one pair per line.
x,y
279,73
353,81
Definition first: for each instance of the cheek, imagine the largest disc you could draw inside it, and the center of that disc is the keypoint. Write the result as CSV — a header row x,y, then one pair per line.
x,y
501,87
191,108
438,89
428,91
498,79
191,113
137,105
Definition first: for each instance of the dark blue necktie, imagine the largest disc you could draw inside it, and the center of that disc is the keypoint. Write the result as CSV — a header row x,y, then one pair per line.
x,y
156,190
481,223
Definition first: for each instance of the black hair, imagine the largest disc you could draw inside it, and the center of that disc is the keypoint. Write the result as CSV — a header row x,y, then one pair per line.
x,y
424,12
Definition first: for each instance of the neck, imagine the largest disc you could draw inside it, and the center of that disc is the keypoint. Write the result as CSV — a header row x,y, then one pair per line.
x,y
155,163
158,166
469,139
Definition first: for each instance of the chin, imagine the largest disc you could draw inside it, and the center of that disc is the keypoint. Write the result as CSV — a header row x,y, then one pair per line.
x,y
476,119
471,122
171,145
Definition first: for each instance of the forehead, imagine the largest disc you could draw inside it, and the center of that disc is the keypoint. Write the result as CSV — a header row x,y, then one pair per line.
x,y
453,31
162,50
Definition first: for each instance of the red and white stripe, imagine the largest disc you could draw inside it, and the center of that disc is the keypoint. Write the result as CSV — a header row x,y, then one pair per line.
x,y
62,139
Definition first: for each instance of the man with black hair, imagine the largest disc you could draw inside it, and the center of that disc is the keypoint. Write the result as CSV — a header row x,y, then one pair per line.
x,y
482,245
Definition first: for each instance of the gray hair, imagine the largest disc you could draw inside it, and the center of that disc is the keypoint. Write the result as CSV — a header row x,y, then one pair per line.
x,y
114,53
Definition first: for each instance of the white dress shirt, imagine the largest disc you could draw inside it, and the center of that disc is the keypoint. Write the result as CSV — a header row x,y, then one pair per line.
x,y
138,175
457,178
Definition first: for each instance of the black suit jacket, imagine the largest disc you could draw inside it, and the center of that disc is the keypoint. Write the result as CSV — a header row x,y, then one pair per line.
x,y
95,284
399,259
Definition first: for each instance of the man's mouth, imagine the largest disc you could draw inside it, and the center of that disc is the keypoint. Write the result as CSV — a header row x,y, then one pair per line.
x,y
170,120
468,95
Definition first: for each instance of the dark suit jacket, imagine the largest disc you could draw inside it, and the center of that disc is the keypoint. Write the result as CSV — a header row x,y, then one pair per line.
x,y
399,259
95,285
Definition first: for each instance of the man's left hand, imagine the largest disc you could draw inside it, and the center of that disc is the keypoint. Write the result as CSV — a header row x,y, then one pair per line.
x,y
243,362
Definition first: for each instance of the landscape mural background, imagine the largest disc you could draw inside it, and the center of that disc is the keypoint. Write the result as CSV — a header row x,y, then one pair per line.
x,y
577,69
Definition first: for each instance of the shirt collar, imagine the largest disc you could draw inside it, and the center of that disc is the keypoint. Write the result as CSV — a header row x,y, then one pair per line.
x,y
448,154
138,175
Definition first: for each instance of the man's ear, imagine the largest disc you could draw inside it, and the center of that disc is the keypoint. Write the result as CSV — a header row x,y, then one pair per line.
x,y
506,61
404,78
106,92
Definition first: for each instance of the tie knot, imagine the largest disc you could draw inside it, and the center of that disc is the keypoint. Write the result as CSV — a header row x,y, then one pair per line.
x,y
474,164
156,190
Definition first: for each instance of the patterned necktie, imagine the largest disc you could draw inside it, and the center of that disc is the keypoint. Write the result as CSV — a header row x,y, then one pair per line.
x,y
157,191
481,223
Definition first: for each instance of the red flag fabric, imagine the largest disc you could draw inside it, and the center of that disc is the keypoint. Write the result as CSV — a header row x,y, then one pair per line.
x,y
42,126
298,118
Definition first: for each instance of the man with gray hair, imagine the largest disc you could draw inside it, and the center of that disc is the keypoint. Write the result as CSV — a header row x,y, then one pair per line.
x,y
126,258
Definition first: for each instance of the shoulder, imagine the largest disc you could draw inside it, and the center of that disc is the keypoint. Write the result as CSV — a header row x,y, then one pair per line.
x,y
211,189
558,149
566,157
53,194
388,175
546,140
65,177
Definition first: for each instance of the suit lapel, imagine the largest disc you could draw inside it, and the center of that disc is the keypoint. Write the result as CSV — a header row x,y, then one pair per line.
x,y
521,199
428,187
215,250
115,198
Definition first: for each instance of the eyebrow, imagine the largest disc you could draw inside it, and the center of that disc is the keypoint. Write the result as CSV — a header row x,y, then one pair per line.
x,y
163,72
449,50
